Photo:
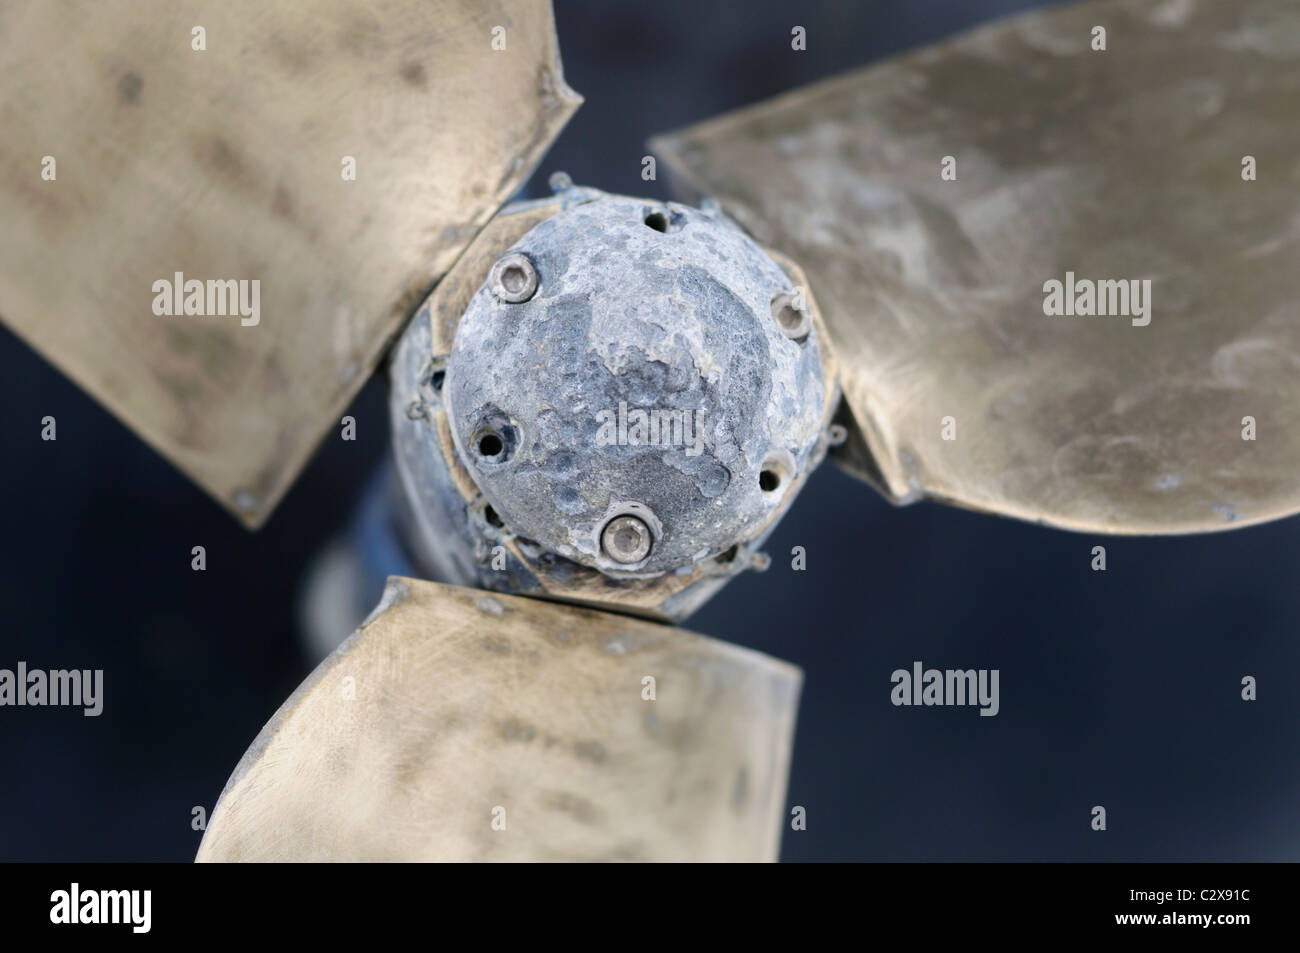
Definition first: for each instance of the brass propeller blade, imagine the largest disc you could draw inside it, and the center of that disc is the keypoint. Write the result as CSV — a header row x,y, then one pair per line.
x,y
340,154
1128,163
457,725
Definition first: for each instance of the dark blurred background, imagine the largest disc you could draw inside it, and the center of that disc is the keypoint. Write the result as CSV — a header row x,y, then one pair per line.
x,y
1119,688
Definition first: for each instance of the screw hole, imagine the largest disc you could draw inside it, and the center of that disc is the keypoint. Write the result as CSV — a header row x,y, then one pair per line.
x,y
658,221
492,440
769,480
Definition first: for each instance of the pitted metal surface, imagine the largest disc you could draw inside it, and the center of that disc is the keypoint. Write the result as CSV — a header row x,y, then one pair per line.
x,y
647,374
452,529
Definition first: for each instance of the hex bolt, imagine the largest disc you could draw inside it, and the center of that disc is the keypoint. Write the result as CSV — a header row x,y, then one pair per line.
x,y
626,539
514,279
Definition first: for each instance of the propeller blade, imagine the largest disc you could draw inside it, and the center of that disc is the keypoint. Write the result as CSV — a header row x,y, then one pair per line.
x,y
455,725
298,174
934,200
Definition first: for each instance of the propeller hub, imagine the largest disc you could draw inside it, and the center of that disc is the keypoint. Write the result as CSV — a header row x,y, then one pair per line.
x,y
610,400
635,386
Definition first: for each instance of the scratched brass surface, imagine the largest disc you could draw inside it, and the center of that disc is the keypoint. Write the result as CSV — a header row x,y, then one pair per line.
x,y
469,707
227,163
1122,164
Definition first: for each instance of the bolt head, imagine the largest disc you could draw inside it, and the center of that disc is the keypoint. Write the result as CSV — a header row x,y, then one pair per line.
x,y
514,279
793,321
626,539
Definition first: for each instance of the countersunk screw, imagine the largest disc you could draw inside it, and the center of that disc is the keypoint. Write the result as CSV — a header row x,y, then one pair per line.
x,y
514,279
626,539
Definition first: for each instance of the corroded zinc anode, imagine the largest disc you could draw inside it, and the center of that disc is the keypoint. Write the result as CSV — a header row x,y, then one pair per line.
x,y
635,386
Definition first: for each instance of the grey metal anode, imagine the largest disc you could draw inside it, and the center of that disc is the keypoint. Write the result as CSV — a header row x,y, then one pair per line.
x,y
623,392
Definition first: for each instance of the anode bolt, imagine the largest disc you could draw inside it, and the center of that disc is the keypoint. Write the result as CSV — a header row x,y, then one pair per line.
x,y
791,316
626,539
514,279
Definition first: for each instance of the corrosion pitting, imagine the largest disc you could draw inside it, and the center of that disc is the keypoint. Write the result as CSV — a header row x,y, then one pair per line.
x,y
616,392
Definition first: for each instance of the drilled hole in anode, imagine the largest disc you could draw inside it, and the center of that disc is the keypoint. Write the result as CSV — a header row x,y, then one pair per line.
x,y
658,221
493,438
769,480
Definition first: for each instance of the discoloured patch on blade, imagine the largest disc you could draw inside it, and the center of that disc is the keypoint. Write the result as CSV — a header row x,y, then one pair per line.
x,y
228,164
470,707
1122,164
